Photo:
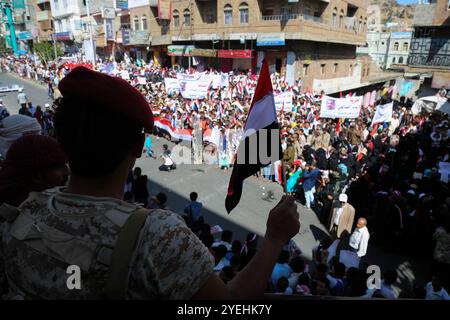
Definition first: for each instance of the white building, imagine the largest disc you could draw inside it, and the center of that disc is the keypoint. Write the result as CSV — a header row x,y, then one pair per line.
x,y
387,48
67,20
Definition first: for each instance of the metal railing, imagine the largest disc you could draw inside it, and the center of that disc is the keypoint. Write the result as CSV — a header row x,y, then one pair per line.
x,y
291,16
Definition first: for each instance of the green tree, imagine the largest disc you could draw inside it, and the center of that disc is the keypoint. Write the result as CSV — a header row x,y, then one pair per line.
x,y
46,51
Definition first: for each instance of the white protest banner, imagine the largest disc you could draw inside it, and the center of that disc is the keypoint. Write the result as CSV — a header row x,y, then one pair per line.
x,y
329,107
195,88
444,170
347,108
125,75
216,78
172,85
224,80
350,107
383,113
285,99
142,80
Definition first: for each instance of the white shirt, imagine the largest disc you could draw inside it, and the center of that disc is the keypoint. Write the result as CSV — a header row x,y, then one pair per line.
x,y
167,161
338,216
433,295
226,244
359,241
22,98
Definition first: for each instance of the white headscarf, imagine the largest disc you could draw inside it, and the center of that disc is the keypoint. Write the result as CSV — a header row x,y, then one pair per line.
x,y
15,126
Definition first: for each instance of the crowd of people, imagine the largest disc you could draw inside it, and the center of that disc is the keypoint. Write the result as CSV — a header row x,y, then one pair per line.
x,y
379,183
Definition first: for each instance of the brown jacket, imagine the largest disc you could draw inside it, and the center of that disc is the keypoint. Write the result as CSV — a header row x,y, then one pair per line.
x,y
345,221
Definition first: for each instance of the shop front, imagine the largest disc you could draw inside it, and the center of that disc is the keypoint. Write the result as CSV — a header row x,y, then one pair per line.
x,y
242,60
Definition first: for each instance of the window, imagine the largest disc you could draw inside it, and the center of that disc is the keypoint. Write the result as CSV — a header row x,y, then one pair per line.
x,y
393,60
335,68
228,14
144,22
341,20
176,19
305,69
333,20
84,27
400,60
405,46
136,23
59,24
322,69
243,13
396,46
187,17
368,71
307,11
350,70
56,4
84,3
64,3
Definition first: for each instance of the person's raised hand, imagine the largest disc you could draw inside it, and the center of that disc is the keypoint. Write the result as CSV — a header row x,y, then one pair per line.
x,y
283,222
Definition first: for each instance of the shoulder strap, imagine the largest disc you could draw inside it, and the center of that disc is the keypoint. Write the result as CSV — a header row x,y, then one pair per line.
x,y
117,283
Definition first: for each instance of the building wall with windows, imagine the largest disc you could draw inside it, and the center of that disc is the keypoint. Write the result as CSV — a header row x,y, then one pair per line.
x,y
430,44
387,48
66,17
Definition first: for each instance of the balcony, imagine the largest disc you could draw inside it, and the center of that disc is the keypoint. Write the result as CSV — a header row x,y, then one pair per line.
x,y
43,15
293,16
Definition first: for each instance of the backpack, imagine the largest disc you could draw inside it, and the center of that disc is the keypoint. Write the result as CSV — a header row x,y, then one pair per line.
x,y
118,275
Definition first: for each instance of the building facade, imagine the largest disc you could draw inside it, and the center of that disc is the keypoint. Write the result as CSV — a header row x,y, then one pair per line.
x,y
387,49
42,18
67,22
430,45
312,40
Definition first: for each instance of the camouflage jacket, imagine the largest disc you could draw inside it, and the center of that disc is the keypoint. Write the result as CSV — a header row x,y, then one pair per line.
x,y
55,230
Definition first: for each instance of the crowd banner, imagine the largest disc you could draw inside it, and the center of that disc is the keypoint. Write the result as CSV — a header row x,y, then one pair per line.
x,y
216,79
224,80
194,86
383,113
329,107
348,108
284,99
172,85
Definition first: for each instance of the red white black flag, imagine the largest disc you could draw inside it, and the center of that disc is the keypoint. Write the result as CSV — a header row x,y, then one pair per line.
x,y
261,144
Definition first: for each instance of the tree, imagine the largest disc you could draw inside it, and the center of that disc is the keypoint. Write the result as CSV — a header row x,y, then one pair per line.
x,y
46,51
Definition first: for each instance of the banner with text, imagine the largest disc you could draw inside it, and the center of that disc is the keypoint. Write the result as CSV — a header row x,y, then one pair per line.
x,y
283,101
348,108
194,86
383,113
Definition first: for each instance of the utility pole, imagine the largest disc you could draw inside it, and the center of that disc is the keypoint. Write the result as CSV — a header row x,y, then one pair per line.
x,y
12,31
91,40
54,45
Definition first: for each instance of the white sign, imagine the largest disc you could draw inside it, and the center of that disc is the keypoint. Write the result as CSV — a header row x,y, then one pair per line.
x,y
383,113
142,80
172,85
194,86
224,80
348,108
216,78
285,99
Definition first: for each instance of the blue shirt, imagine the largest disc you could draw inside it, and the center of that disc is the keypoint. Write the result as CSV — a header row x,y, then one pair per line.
x,y
194,209
280,270
148,143
309,179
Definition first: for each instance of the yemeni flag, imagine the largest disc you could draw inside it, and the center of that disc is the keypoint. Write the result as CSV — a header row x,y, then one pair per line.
x,y
250,155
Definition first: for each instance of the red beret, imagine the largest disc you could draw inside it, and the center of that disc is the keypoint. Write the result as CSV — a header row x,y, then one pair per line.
x,y
115,93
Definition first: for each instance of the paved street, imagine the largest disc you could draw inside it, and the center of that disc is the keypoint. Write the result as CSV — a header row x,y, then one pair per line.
x,y
211,184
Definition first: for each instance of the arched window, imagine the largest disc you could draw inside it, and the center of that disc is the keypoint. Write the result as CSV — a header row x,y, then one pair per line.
x,y
187,17
176,18
341,19
405,46
144,22
136,23
333,20
393,60
243,13
400,60
396,46
228,14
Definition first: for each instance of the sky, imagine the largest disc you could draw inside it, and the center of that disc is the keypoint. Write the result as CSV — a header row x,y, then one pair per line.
x,y
406,1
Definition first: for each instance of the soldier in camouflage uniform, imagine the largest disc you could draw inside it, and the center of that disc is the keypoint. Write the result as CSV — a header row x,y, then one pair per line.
x,y
99,123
